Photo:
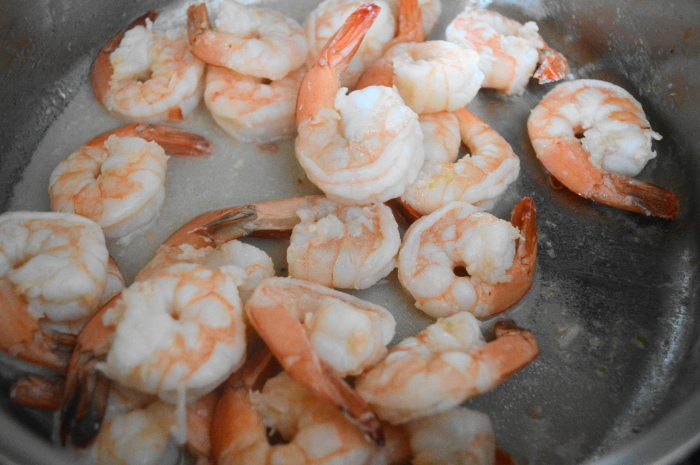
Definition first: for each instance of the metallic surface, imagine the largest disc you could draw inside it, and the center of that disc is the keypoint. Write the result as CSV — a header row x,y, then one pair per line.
x,y
616,299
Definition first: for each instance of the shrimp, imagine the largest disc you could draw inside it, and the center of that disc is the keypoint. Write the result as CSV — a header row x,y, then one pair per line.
x,y
344,246
251,41
314,431
442,366
498,259
593,136
253,109
200,240
459,436
318,335
148,75
362,147
509,51
117,179
325,20
430,76
249,107
479,178
177,335
55,272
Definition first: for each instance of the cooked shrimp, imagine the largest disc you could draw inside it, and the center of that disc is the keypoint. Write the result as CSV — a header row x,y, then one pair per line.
x,y
194,243
314,431
430,76
479,178
592,136
253,109
54,273
344,246
509,51
442,366
362,147
177,334
325,20
117,179
498,257
252,41
319,334
148,75
455,437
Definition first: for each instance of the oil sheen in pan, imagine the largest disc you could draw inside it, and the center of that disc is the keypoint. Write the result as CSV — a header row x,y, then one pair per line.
x,y
595,271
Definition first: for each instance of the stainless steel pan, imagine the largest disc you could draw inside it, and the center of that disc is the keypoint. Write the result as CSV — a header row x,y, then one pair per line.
x,y
616,299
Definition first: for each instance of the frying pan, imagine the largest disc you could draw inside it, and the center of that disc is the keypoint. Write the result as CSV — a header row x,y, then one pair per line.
x,y
615,303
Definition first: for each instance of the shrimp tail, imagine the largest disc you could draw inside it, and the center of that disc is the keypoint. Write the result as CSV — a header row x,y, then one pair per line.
x,y
102,70
87,389
39,392
290,344
321,82
203,42
410,22
500,297
403,212
553,66
84,406
197,22
341,48
513,349
639,197
272,219
174,141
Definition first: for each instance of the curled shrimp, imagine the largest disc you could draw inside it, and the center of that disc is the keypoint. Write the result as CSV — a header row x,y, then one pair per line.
x,y
252,109
55,273
148,75
180,332
177,334
299,321
592,136
430,76
478,178
252,41
497,257
117,179
198,241
344,246
362,147
314,431
509,52
442,366
325,20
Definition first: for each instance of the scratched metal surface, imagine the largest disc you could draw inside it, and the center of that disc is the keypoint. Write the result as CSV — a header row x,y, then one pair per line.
x,y
615,300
